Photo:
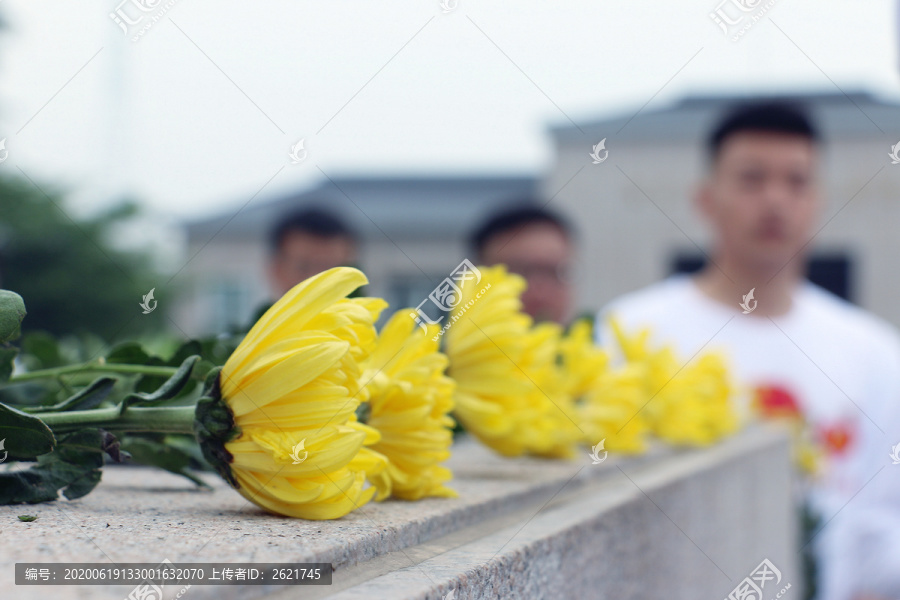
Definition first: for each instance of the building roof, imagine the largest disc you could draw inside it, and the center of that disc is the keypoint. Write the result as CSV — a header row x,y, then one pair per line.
x,y
441,205
854,114
455,203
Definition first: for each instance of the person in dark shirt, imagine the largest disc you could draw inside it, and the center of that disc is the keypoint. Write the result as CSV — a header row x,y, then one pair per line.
x,y
307,242
536,244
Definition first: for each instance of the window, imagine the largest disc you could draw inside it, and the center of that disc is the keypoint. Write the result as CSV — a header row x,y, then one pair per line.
x,y
832,271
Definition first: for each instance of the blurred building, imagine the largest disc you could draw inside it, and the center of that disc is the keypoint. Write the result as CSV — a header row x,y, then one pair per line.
x,y
635,210
413,232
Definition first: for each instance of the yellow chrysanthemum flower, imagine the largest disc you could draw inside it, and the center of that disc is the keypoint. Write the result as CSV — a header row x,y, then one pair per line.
x,y
607,399
583,362
611,410
695,408
409,401
280,424
690,404
483,344
509,390
660,364
552,428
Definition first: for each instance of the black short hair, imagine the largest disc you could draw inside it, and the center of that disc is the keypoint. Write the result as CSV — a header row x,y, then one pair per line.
x,y
313,220
774,117
516,216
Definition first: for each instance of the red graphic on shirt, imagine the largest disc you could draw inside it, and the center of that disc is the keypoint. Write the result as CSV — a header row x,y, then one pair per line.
x,y
836,438
775,402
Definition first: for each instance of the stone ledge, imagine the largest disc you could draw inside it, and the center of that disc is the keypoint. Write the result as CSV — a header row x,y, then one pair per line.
x,y
516,524
691,525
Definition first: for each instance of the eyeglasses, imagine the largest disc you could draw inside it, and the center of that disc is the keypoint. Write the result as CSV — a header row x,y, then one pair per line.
x,y
559,273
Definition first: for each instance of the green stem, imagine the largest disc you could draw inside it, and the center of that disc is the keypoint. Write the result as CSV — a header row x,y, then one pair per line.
x,y
157,419
94,368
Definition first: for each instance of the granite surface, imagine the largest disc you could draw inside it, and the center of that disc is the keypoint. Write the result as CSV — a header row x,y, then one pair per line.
x,y
515,527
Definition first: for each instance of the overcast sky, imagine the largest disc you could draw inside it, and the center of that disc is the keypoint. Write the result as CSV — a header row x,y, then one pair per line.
x,y
201,112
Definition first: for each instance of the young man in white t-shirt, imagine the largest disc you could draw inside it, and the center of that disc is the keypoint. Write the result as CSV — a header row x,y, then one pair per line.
x,y
794,343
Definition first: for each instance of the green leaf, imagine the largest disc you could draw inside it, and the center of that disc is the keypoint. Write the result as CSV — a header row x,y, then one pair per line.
x,y
185,351
43,347
187,444
218,349
202,369
12,311
85,399
172,386
26,436
26,395
148,383
128,353
27,518
159,454
73,468
7,356
211,384
133,353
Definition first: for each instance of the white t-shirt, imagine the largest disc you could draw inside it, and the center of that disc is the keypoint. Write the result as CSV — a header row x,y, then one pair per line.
x,y
841,365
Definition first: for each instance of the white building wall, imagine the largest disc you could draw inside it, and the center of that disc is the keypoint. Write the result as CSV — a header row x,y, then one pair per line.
x,y
627,242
